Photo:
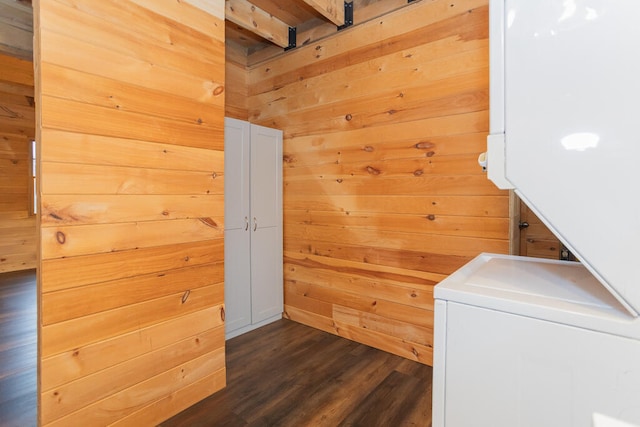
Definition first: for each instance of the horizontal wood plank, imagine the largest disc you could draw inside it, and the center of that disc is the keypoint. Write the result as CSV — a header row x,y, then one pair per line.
x,y
73,396
177,401
118,405
429,223
60,337
130,41
337,295
102,209
67,51
80,362
96,268
117,123
155,29
433,266
436,150
376,323
71,178
91,89
66,241
474,206
100,150
82,301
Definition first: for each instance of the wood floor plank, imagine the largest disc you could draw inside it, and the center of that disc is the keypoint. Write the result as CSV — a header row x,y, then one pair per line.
x,y
18,349
287,374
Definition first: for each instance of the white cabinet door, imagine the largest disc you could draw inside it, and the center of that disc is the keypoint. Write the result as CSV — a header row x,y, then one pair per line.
x,y
266,214
237,275
237,135
253,220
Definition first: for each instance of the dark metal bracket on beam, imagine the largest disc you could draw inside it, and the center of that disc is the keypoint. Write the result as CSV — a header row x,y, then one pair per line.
x,y
292,38
348,16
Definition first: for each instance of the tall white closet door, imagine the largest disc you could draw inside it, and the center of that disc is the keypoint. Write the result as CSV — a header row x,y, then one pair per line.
x,y
266,217
253,226
237,246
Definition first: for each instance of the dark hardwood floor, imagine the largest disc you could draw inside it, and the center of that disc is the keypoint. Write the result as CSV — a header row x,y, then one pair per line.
x,y
18,349
287,374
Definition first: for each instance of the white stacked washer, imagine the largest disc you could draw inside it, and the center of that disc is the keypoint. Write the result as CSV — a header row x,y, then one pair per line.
x,y
529,342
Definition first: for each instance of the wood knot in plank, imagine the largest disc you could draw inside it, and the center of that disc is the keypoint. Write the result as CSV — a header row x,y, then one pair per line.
x,y
208,222
418,172
55,216
373,171
367,148
287,158
61,238
185,296
214,175
339,180
431,217
424,145
218,90
222,314
430,153
348,117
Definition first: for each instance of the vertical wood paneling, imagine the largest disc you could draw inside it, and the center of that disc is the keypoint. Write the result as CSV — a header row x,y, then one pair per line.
x,y
383,196
17,129
131,98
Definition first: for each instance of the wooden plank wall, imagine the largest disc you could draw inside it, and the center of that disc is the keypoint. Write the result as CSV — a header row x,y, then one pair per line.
x,y
537,240
17,129
383,195
237,93
131,110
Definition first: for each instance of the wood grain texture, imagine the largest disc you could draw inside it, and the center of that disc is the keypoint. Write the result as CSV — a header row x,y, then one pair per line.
x,y
18,236
383,195
132,208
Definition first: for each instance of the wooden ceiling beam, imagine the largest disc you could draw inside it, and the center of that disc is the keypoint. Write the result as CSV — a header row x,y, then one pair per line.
x,y
363,11
256,20
333,10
